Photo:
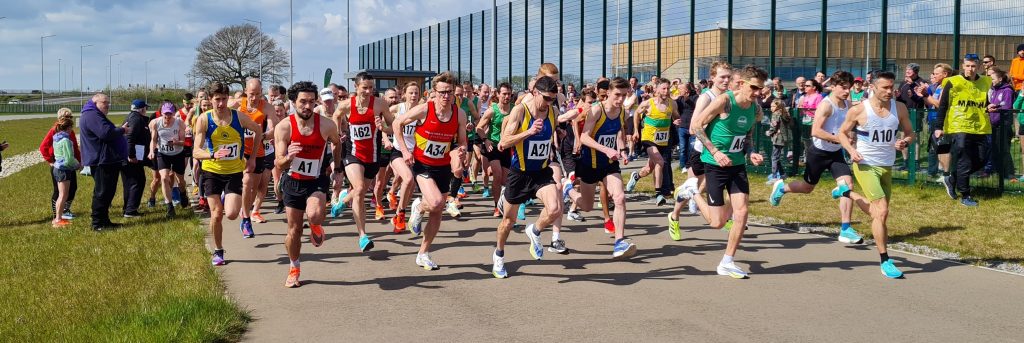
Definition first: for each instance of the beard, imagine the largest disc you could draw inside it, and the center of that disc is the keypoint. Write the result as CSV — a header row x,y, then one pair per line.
x,y
305,114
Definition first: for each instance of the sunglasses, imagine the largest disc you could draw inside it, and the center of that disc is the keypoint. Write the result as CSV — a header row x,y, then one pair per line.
x,y
549,99
755,88
805,86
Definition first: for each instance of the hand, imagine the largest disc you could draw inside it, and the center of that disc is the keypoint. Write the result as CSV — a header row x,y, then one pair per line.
x,y
722,159
489,145
611,153
461,154
576,148
379,122
132,160
901,144
407,157
127,129
921,89
293,150
856,157
678,122
938,134
538,124
387,144
756,159
634,137
221,153
470,127
993,107
152,156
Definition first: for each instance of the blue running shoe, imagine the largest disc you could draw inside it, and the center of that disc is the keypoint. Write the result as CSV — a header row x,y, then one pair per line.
x,y
633,178
522,212
840,190
246,228
623,250
365,244
536,248
218,258
566,187
850,236
487,193
339,206
890,271
416,230
778,190
947,181
969,202
175,196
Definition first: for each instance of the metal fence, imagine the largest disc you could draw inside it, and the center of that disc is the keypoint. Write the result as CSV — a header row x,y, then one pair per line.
x,y
35,108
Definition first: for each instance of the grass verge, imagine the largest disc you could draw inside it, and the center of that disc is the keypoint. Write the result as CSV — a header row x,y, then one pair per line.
x,y
24,135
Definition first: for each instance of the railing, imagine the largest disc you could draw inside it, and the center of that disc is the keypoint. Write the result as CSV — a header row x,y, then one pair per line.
x,y
35,108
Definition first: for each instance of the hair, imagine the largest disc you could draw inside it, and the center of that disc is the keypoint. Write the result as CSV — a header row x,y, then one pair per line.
x,y
278,102
279,89
546,84
617,83
607,84
817,86
303,86
842,78
547,69
989,57
467,84
592,94
971,58
445,77
753,72
661,81
406,86
362,76
781,110
945,67
343,89
505,85
884,74
631,78
189,97
217,88
719,65
1001,74
64,120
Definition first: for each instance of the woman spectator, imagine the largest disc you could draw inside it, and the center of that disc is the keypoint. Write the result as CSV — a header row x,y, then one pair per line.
x,y
807,105
1000,99
780,132
60,149
685,103
1019,106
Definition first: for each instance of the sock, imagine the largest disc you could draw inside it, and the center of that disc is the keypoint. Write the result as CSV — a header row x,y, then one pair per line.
x,y
536,229
945,173
884,256
554,236
847,193
726,259
845,226
245,219
294,263
499,253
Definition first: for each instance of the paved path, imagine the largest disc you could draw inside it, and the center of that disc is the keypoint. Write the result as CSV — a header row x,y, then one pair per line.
x,y
802,288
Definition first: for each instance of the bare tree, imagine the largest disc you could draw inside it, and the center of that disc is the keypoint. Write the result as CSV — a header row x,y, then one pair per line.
x,y
232,55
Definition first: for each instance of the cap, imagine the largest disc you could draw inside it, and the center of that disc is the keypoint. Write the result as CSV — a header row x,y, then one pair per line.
x,y
168,108
858,79
326,94
139,103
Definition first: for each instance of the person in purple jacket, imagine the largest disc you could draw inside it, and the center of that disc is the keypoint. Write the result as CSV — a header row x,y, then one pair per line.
x,y
104,150
1000,98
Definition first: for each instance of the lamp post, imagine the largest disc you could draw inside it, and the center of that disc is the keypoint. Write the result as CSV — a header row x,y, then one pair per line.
x,y
42,73
291,43
81,89
60,70
147,79
110,72
260,23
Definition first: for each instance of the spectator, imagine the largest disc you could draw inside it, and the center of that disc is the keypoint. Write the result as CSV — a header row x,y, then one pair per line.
x,y
1017,68
134,173
104,150
780,89
988,62
857,92
963,116
780,132
809,101
912,94
765,99
796,93
1019,106
60,150
686,103
1001,99
936,160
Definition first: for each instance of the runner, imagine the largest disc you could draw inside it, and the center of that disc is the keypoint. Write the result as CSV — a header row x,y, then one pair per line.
x,y
484,94
825,154
280,114
188,103
256,108
725,130
456,189
657,115
497,161
383,173
604,145
220,131
300,142
362,118
166,150
433,160
203,104
403,135
876,127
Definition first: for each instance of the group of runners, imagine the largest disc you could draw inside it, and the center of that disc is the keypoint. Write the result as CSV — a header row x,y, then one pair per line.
x,y
415,150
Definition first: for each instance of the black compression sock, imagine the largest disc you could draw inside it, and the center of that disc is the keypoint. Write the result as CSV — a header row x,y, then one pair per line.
x,y
884,256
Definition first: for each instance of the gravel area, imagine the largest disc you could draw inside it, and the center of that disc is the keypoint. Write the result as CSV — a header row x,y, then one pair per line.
x,y
14,164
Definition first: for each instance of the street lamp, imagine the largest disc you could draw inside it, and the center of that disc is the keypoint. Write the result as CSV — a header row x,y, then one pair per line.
x,y
42,73
81,90
260,23
60,70
110,72
147,79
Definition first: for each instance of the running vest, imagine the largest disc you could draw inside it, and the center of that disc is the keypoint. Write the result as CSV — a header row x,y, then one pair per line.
x,y
698,146
729,134
534,152
496,120
605,132
656,124
831,126
967,100
876,138
188,126
307,164
434,138
362,130
167,134
257,115
408,131
856,96
224,137
467,107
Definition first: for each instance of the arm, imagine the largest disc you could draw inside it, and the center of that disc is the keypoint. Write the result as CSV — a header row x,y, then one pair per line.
x,y
485,122
698,108
341,116
707,116
940,120
817,127
45,147
1019,103
283,153
415,114
199,152
153,140
247,123
78,151
852,118
569,115
509,128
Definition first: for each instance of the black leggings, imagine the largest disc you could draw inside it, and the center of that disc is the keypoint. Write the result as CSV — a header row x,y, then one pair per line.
x,y
73,177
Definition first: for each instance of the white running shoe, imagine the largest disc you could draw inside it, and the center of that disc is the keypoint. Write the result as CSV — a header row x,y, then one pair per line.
x,y
423,260
731,270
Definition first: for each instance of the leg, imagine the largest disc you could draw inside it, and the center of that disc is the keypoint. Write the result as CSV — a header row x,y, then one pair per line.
x,y
56,190
216,219
293,240
845,203
499,180
403,173
615,191
356,196
739,218
433,205
249,181
879,216
232,205
508,221
552,212
62,189
167,182
73,177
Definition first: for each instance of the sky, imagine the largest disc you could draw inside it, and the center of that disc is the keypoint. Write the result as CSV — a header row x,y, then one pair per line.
x,y
166,33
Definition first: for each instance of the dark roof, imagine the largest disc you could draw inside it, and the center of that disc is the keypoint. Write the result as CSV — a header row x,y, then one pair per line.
x,y
386,73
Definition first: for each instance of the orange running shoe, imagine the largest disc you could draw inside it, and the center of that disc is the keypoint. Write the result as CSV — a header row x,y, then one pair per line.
x,y
609,227
497,213
399,222
392,201
61,223
293,278
256,217
316,235
380,212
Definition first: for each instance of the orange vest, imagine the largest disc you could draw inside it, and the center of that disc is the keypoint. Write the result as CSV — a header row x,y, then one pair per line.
x,y
257,115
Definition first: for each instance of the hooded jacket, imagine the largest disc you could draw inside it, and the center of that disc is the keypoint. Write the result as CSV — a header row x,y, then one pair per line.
x,y
102,142
1002,96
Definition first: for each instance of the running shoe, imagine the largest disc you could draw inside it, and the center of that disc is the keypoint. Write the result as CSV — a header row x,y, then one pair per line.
x,y
67,215
462,191
170,211
947,180
576,216
673,228
452,209
487,193
415,230
692,207
256,216
529,202
566,187
609,226
379,213
623,249
731,270
316,235
890,271
416,218
218,258
278,210
151,202
246,228
399,222
536,248
660,200
778,190
392,201
969,202
365,244
558,247
633,178
497,213
175,196
458,203
132,214
498,268
850,236
690,188
373,201
61,223
840,189
339,206
501,202
293,278
522,212
423,260
727,226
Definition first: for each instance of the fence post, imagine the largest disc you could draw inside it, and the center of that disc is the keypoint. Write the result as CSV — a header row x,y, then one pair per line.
x,y
797,149
883,37
912,149
693,43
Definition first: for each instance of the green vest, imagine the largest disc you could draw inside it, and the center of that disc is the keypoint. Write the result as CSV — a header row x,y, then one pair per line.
x,y
465,105
496,119
967,105
729,135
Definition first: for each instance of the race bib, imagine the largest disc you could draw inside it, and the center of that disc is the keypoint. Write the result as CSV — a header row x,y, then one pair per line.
x,y
538,150
607,140
436,150
360,132
268,147
305,167
737,144
232,151
249,134
166,147
660,137
409,130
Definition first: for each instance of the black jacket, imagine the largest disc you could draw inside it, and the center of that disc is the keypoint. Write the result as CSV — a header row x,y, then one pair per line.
x,y
909,97
139,135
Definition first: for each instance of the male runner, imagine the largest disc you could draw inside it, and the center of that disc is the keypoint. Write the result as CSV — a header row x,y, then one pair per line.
x,y
166,149
497,161
362,118
725,130
383,173
825,154
456,190
405,135
300,142
256,108
220,132
479,163
433,160
874,154
183,113
657,115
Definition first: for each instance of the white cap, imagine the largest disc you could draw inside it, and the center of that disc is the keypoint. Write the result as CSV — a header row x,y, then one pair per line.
x,y
326,94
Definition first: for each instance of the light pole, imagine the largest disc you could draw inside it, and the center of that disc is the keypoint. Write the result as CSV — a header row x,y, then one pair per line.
x,y
147,80
260,23
291,43
60,70
81,89
110,72
42,73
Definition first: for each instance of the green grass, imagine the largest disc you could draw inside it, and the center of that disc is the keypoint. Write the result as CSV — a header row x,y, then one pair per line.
x,y
149,281
24,135
918,214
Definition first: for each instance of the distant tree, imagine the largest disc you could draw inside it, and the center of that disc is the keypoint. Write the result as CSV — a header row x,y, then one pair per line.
x,y
232,55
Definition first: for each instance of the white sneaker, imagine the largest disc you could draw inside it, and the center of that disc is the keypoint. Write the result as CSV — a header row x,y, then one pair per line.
x,y
417,214
423,260
731,270
452,209
498,270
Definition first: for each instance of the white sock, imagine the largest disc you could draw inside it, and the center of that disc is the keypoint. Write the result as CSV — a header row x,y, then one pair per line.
x,y
554,235
726,259
294,263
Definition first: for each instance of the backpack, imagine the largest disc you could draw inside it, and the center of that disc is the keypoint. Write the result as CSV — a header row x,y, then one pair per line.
x,y
64,152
